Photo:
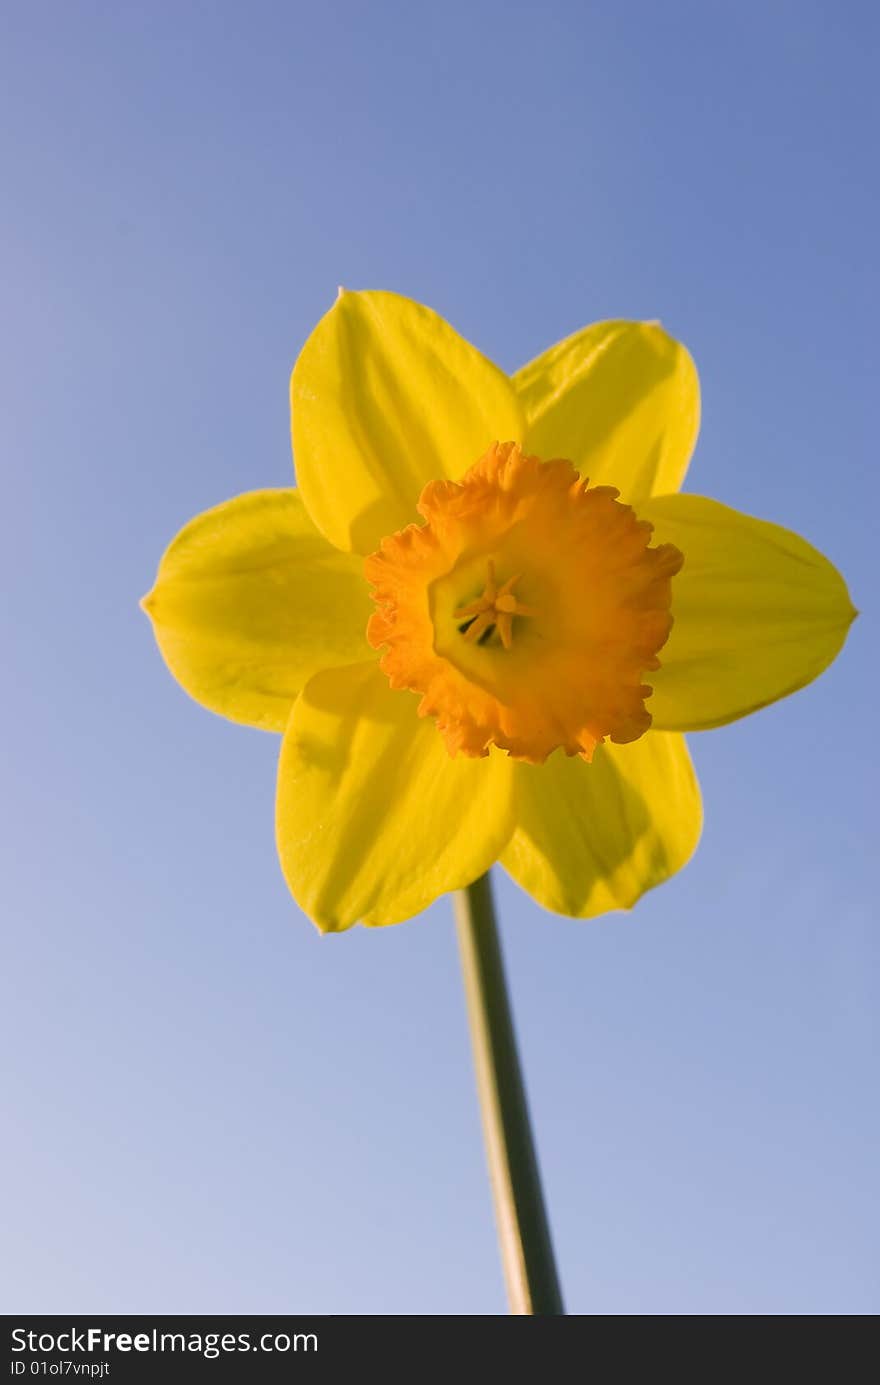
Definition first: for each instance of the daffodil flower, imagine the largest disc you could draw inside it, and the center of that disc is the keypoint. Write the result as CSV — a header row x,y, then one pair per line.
x,y
487,614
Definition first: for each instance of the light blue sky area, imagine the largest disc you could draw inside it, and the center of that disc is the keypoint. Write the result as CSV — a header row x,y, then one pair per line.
x,y
210,1107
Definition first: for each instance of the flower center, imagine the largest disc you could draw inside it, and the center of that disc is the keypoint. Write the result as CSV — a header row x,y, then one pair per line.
x,y
525,610
493,611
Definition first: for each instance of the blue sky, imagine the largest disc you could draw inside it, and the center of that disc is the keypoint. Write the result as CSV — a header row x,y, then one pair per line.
x,y
212,1108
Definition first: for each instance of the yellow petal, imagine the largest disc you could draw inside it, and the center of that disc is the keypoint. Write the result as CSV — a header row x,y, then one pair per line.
x,y
595,837
385,397
374,819
250,600
757,612
621,400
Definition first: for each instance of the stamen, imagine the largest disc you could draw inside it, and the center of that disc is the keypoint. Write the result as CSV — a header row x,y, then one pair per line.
x,y
494,609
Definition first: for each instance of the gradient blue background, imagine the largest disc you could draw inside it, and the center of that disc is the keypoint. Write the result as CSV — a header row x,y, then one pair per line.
x,y
210,1108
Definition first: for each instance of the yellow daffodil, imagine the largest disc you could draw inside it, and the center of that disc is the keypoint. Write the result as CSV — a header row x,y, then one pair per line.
x,y
453,628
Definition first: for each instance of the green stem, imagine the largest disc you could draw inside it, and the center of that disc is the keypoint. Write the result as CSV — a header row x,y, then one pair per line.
x,y
526,1248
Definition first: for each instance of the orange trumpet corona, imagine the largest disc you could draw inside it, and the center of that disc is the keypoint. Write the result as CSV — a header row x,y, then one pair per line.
x,y
525,610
